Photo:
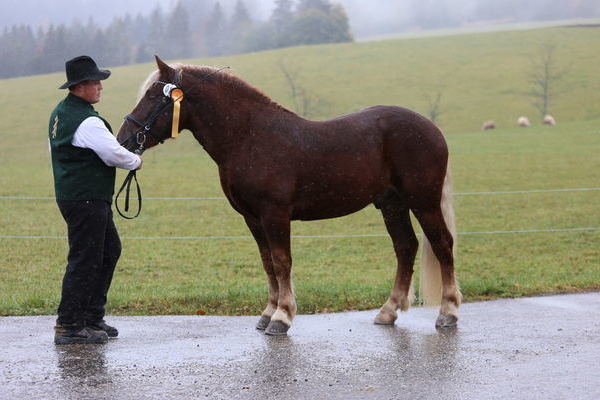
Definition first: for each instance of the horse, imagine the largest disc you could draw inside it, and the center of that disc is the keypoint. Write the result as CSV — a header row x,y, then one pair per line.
x,y
275,166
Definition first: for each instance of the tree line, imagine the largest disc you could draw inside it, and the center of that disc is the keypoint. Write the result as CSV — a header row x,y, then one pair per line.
x,y
193,28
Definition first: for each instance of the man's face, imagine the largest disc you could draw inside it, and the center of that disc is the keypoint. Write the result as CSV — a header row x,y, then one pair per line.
x,y
89,90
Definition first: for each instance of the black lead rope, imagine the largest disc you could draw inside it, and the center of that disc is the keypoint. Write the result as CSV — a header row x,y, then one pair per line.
x,y
127,186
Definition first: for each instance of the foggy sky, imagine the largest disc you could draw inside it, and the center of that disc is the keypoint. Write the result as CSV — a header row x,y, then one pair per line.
x,y
367,17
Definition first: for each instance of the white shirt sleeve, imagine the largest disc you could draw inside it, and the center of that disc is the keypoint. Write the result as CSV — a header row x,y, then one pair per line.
x,y
93,134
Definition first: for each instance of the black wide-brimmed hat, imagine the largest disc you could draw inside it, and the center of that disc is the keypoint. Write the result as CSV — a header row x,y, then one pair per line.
x,y
81,69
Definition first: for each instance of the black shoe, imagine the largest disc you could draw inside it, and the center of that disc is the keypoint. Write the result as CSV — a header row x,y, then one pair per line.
x,y
64,335
101,326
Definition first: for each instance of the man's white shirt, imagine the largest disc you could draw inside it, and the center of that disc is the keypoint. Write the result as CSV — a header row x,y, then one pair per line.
x,y
93,134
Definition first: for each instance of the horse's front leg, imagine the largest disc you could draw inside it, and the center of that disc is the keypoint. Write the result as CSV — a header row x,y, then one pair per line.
x,y
276,226
265,255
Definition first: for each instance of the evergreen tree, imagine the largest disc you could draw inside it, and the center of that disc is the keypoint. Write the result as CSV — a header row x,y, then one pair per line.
x,y
322,5
281,21
156,38
240,16
192,28
139,29
216,34
239,28
341,25
317,21
54,50
199,13
177,34
118,49
16,53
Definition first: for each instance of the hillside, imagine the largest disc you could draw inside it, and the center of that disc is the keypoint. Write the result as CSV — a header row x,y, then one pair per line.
x,y
526,199
481,77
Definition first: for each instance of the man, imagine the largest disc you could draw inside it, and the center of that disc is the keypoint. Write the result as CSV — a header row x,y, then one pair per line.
x,y
84,156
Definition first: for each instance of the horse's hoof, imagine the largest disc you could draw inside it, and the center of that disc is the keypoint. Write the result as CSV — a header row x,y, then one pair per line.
x,y
384,319
277,328
263,322
446,321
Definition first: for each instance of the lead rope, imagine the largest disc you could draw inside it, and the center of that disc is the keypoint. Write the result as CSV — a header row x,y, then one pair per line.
x,y
127,186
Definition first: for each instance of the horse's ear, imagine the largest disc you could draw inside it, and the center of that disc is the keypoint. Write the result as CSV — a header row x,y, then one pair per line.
x,y
162,66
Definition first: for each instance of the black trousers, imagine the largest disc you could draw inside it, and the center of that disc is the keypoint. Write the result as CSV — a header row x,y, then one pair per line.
x,y
94,249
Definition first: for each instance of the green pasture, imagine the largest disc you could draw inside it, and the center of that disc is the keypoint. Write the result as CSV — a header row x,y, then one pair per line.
x,y
181,256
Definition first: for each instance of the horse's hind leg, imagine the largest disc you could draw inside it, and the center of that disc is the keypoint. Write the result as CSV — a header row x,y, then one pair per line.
x,y
397,221
265,255
436,231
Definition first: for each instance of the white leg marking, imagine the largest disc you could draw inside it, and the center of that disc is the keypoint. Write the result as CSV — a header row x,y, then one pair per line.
x,y
449,308
387,315
282,316
269,311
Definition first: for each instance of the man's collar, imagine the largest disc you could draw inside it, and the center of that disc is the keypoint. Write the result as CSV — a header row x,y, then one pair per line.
x,y
75,98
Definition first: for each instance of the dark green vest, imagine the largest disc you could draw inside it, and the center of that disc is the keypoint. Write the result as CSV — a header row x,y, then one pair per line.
x,y
79,174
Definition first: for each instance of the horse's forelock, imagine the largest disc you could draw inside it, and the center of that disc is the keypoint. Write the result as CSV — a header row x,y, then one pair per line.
x,y
152,78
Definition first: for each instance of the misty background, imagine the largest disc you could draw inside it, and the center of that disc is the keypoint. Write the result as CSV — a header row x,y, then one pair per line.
x,y
38,36
367,17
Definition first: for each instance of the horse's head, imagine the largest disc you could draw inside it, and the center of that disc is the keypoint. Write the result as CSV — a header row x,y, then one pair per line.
x,y
155,117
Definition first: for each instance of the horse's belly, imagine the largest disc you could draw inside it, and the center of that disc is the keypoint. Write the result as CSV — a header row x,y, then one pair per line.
x,y
312,215
338,192
324,207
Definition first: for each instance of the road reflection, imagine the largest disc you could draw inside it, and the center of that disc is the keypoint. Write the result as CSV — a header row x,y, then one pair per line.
x,y
83,367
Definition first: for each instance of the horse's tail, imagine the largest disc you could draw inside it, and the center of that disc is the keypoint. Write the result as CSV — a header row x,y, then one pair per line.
x,y
431,271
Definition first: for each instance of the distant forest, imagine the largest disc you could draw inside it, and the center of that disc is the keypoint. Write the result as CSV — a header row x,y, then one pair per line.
x,y
200,28
190,29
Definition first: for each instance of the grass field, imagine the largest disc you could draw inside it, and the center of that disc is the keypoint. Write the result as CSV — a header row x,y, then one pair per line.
x,y
511,244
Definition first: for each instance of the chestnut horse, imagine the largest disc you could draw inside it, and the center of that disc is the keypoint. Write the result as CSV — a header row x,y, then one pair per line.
x,y
275,167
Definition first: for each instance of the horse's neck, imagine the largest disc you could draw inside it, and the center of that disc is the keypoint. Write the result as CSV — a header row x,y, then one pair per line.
x,y
225,128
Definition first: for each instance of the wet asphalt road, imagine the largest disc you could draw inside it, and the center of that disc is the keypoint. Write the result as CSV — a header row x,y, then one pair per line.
x,y
531,348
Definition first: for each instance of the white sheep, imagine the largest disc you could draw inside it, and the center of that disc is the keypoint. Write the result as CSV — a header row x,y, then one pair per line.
x,y
549,120
524,122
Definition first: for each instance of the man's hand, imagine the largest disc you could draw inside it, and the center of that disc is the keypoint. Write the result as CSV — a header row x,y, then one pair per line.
x,y
141,163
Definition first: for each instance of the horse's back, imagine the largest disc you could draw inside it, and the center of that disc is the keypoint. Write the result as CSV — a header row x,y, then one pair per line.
x,y
403,134
412,150
360,155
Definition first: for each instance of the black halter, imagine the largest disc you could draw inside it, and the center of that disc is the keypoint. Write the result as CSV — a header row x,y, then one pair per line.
x,y
141,135
166,101
140,138
146,126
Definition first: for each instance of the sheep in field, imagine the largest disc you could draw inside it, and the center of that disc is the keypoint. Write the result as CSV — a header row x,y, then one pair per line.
x,y
524,122
549,120
487,125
